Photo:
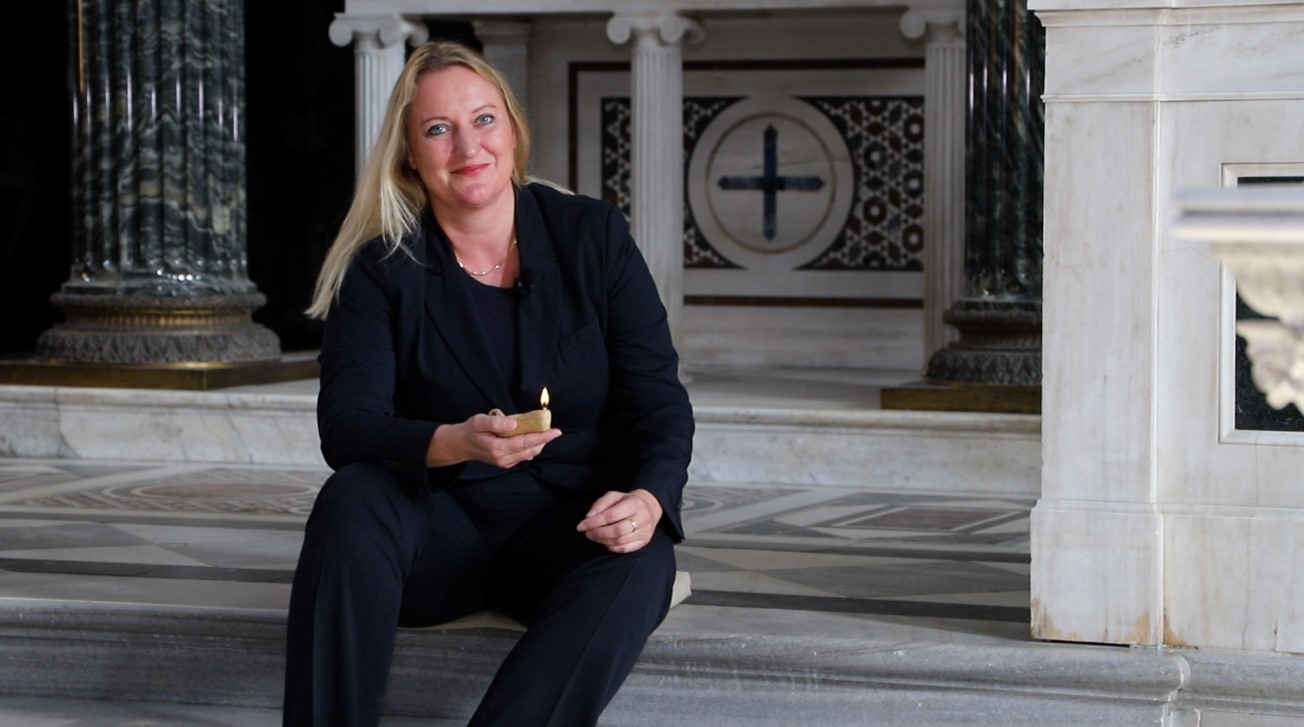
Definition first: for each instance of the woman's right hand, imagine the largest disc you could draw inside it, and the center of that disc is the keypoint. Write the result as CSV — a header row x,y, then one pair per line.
x,y
477,439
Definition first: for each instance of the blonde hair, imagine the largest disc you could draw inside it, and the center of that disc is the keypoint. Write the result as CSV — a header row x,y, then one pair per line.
x,y
390,198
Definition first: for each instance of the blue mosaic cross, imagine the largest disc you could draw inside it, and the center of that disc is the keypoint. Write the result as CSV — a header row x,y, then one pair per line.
x,y
770,183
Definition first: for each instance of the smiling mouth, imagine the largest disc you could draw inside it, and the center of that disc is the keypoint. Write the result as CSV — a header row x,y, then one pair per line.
x,y
472,169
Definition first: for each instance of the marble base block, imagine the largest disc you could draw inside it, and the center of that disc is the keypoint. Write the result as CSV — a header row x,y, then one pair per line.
x,y
1101,562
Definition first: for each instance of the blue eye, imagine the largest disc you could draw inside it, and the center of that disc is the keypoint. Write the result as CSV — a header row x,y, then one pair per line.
x,y
484,119
437,130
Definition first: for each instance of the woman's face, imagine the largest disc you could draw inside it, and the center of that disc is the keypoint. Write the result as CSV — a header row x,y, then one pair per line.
x,y
460,139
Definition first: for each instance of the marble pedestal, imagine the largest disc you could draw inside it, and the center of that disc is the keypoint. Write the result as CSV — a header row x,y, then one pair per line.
x,y
1160,522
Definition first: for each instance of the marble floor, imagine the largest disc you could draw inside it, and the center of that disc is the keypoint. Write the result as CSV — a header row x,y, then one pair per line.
x,y
229,536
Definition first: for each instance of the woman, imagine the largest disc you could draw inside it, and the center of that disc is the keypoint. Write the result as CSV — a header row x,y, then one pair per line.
x,y
455,288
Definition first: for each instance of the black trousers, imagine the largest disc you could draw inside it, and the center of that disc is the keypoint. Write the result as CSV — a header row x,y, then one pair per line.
x,y
376,556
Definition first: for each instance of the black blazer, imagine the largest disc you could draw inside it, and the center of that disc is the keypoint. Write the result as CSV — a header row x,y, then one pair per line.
x,y
403,353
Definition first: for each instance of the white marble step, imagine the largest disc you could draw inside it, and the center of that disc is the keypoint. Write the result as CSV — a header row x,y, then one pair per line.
x,y
788,427
706,666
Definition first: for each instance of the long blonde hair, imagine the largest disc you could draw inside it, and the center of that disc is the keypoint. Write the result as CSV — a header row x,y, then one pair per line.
x,y
390,198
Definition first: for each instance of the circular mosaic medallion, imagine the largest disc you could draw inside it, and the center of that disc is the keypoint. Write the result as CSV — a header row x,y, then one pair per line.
x,y
770,183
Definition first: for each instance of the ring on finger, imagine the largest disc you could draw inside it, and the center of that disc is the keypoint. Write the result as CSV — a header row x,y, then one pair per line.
x,y
633,524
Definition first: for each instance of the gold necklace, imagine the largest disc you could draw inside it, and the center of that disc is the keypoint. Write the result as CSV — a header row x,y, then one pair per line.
x,y
490,270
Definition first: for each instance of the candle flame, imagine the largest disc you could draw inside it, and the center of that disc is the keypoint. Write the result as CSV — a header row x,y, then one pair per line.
x,y
543,398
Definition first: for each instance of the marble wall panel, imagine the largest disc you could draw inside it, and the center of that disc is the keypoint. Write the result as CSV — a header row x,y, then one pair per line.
x,y
928,451
1098,323
792,337
1202,458
1247,597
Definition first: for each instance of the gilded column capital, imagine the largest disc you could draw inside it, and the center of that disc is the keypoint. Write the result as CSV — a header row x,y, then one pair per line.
x,y
660,28
381,31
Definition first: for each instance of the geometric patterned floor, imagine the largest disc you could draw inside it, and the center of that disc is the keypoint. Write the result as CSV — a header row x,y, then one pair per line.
x,y
119,528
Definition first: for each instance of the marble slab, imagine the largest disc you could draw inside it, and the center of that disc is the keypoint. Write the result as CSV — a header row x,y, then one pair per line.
x,y
797,426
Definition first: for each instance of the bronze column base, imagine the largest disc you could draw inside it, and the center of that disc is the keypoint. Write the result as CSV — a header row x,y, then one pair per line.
x,y
994,367
138,329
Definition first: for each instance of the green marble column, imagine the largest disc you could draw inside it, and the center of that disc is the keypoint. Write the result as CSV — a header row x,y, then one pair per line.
x,y
999,316
158,183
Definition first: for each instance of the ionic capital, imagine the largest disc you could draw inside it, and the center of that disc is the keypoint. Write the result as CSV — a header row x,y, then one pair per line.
x,y
941,24
654,27
376,31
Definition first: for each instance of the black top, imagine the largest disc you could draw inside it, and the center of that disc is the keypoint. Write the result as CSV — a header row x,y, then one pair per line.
x,y
496,309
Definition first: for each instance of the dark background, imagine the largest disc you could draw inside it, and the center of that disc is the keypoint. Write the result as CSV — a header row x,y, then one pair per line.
x,y
299,145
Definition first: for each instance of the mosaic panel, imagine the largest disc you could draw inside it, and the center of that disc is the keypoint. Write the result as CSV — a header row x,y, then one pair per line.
x,y
885,230
884,137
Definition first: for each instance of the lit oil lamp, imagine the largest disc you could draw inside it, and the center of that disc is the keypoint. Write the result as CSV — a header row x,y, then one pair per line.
x,y
539,420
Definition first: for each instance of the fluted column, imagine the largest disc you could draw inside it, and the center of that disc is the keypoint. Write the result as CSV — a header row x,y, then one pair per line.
x,y
159,259
944,142
378,57
657,156
507,46
999,315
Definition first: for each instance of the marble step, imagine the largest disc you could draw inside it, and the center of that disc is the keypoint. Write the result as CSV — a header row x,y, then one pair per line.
x,y
707,665
745,435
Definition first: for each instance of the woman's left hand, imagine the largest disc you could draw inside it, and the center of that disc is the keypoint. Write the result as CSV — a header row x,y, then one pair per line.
x,y
623,522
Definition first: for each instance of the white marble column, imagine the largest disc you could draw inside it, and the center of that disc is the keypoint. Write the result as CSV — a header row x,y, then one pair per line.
x,y
944,170
657,163
379,54
507,46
